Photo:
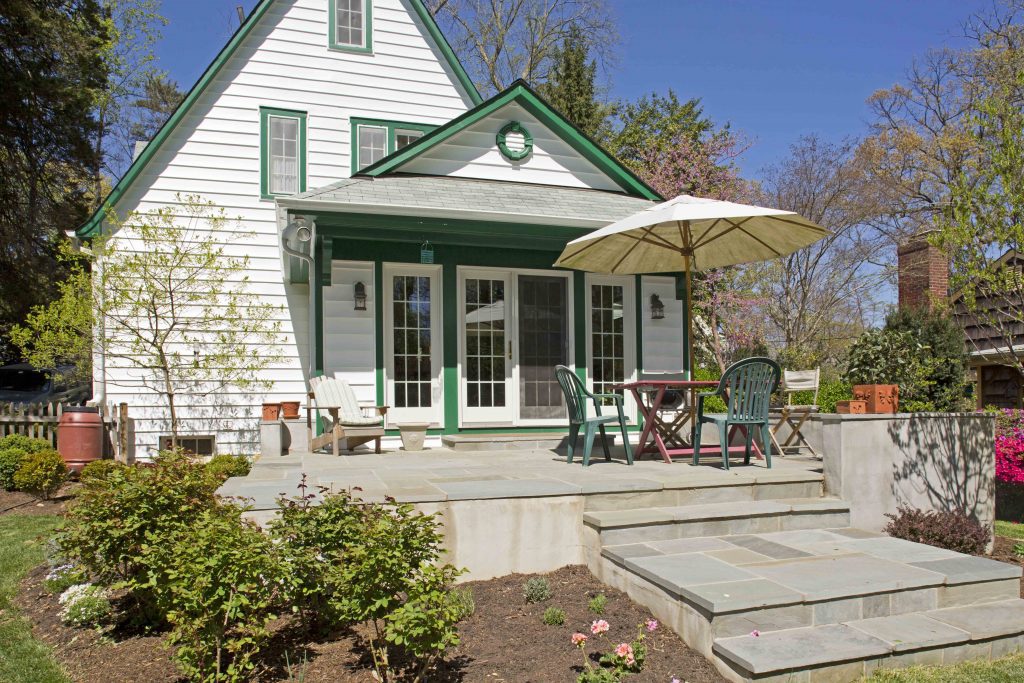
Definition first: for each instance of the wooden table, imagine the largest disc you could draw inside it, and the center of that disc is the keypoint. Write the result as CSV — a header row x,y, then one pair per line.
x,y
663,431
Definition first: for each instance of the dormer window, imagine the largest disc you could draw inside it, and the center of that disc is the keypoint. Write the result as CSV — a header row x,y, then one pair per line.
x,y
350,25
374,139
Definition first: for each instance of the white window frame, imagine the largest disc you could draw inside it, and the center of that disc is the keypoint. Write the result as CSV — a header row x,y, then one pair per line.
x,y
366,13
629,322
360,165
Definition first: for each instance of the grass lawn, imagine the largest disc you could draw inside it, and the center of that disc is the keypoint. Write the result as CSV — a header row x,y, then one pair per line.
x,y
1010,530
22,659
1008,669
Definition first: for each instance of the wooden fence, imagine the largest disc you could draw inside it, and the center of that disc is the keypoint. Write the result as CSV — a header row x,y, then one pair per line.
x,y
39,421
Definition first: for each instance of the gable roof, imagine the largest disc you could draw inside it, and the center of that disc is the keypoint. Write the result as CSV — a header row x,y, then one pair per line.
x,y
91,226
520,93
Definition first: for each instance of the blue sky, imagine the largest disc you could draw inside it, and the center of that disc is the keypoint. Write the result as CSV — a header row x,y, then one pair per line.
x,y
774,69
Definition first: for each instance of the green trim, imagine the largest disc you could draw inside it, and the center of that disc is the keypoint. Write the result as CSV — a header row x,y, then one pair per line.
x,y
392,126
502,141
520,93
92,225
450,342
638,292
318,282
580,296
378,327
446,51
332,29
265,114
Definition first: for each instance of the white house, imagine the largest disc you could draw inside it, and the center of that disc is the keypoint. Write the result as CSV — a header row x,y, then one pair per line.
x,y
437,217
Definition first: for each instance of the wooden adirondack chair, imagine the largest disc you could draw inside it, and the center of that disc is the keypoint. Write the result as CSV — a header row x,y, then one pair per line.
x,y
746,387
575,401
346,422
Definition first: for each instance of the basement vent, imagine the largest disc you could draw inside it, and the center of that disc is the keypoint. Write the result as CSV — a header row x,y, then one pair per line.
x,y
198,445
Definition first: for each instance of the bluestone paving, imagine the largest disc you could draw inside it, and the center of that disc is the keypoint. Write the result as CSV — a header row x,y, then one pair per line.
x,y
513,488
911,631
776,551
967,569
800,648
690,545
897,549
623,552
731,596
991,620
825,578
690,569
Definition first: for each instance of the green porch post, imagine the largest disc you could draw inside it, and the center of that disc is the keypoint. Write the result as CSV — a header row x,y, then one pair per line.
x,y
681,296
579,298
378,323
450,355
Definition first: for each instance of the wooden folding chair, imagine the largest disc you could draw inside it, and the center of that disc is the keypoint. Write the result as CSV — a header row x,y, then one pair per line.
x,y
795,416
346,422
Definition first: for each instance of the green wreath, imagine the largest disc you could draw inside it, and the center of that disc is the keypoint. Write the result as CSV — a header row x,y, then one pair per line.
x,y
514,154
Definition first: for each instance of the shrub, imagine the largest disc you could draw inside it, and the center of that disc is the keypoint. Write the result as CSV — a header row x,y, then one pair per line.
x,y
941,341
951,530
553,616
24,443
1018,549
890,356
41,474
221,581
99,470
10,462
463,602
536,589
84,605
225,466
597,603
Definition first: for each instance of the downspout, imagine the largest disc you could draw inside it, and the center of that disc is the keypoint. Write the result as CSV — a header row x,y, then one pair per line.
x,y
99,374
303,231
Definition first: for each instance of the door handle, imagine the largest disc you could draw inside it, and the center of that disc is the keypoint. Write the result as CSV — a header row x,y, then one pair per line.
x,y
510,350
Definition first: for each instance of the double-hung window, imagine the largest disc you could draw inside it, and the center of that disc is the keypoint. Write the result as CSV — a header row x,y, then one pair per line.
x,y
282,152
373,139
350,24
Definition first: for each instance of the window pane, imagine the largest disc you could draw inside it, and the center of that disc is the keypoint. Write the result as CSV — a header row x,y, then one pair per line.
x,y
404,138
284,155
373,145
349,18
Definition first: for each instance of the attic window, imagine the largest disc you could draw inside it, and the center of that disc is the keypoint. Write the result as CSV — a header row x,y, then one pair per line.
x,y
374,139
350,24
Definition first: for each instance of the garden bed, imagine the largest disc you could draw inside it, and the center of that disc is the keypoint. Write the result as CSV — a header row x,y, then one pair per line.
x,y
503,640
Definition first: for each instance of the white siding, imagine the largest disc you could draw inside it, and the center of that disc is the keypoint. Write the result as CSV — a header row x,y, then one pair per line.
x,y
349,346
215,152
662,339
473,153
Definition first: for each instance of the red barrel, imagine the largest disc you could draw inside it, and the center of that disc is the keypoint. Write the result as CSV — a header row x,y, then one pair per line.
x,y
80,437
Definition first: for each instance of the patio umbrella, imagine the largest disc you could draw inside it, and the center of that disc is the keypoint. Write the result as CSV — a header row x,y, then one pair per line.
x,y
687,234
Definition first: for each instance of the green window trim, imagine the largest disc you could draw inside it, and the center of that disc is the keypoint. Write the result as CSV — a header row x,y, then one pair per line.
x,y
266,113
392,127
332,28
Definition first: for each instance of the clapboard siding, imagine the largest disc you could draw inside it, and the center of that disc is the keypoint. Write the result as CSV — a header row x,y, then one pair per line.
x,y
663,348
473,153
349,335
215,152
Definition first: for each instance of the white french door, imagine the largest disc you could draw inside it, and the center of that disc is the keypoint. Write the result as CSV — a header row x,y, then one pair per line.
x,y
611,335
486,322
412,343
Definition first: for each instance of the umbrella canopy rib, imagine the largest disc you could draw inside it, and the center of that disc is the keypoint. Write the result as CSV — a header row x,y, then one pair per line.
x,y
759,241
630,250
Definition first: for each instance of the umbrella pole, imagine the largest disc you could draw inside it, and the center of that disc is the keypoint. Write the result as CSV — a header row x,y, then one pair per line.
x,y
689,317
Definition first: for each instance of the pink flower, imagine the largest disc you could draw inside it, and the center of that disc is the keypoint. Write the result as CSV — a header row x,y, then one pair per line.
x,y
624,650
599,626
578,639
630,660
675,680
652,625
755,633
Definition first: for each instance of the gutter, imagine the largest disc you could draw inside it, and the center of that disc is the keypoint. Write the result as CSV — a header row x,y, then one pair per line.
x,y
303,231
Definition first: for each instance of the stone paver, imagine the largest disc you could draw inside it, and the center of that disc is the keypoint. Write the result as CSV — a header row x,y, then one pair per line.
x,y
799,648
896,549
690,545
991,620
758,544
828,578
731,596
967,569
692,569
911,631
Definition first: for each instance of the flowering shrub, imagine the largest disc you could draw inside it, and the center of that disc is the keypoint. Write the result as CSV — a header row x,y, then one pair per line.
x,y
84,605
1010,446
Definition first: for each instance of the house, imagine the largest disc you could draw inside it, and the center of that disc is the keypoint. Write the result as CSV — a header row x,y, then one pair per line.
x,y
432,217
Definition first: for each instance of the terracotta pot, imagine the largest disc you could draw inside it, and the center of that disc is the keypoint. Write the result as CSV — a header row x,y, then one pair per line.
x,y
880,398
291,409
80,437
271,412
851,407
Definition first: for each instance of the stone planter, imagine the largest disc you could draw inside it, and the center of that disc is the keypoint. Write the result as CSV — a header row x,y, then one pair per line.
x,y
271,412
851,407
880,398
413,435
291,409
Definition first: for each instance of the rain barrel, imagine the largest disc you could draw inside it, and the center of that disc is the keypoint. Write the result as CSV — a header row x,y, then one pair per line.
x,y
80,437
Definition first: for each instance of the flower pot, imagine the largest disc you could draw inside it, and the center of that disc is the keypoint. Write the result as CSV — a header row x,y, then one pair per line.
x,y
851,407
880,398
413,435
291,409
271,412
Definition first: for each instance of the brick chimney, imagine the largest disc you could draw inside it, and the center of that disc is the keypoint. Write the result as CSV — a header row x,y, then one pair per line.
x,y
922,273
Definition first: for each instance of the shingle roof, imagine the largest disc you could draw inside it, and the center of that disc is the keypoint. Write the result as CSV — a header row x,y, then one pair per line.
x,y
436,193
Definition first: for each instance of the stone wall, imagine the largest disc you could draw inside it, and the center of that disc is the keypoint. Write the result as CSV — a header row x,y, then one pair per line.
x,y
932,461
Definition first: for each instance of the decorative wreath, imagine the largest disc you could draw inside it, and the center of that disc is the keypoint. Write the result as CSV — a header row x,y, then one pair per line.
x,y
514,154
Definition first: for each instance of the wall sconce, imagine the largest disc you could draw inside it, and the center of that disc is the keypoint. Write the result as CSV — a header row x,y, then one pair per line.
x,y
360,296
657,308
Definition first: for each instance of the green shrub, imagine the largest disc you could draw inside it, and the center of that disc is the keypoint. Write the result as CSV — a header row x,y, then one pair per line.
x,y
891,356
99,470
41,473
221,582
1018,549
84,605
536,589
463,602
553,616
597,603
941,342
24,443
10,462
114,525
225,466
955,530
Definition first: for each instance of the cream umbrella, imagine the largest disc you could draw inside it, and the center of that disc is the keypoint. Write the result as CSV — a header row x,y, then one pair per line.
x,y
687,234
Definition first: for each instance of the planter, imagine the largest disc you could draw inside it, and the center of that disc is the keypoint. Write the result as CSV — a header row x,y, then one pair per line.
x,y
880,398
851,407
291,409
80,437
413,434
271,412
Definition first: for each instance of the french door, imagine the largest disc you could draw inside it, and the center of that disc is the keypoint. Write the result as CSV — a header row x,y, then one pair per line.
x,y
611,338
515,328
412,343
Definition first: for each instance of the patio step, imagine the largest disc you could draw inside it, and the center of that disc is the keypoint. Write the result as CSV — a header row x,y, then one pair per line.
x,y
518,441
717,519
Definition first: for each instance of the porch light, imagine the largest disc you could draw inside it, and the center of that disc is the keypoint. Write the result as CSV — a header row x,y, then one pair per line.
x,y
360,296
657,308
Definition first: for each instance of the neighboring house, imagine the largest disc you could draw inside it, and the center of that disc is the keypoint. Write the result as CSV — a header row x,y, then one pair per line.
x,y
437,217
923,278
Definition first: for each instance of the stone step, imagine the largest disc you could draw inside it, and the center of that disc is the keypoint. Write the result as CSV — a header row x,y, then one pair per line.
x,y
717,519
847,651
699,490
555,440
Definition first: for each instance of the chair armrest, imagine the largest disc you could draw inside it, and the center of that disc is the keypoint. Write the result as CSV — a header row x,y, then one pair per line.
x,y
615,397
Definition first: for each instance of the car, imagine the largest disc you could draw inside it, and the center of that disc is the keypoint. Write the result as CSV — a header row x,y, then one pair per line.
x,y
21,383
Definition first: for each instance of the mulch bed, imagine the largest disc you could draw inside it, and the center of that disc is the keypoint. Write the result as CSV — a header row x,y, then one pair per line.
x,y
503,641
1003,551
18,503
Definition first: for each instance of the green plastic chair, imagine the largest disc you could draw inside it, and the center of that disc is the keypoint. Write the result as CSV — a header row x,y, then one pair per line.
x,y
746,387
576,396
